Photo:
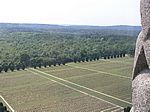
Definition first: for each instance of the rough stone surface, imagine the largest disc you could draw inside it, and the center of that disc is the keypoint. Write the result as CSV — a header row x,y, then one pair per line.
x,y
143,40
141,72
145,13
141,92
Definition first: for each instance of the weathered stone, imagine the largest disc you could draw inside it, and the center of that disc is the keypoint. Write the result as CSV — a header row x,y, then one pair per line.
x,y
145,14
143,40
141,92
141,72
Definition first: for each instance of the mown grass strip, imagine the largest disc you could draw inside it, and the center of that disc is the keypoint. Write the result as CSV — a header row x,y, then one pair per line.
x,y
72,77
106,97
117,110
98,71
109,60
101,61
59,70
69,86
109,109
7,104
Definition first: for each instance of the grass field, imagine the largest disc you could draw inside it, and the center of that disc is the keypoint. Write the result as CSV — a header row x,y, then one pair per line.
x,y
97,86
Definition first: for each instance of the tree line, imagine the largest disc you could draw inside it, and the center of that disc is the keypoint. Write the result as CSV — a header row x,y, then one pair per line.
x,y
26,61
3,108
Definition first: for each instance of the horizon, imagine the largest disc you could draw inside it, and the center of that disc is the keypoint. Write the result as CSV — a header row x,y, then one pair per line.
x,y
68,24
70,12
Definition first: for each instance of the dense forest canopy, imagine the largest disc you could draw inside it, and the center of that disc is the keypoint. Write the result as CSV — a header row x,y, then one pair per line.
x,y
38,43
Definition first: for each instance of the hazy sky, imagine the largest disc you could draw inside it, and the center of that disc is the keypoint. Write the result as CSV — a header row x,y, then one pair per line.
x,y
76,12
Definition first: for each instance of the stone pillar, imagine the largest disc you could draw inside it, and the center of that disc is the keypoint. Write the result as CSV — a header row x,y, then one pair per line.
x,y
141,72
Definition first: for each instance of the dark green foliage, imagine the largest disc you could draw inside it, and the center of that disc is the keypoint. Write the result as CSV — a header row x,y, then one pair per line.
x,y
3,108
115,56
54,62
12,67
59,63
108,57
1,68
79,60
33,63
97,58
64,63
124,54
1,104
45,64
87,59
27,45
94,59
75,61
127,109
83,60
131,52
121,55
25,59
23,66
39,65
18,67
49,63
111,56
90,59
5,67
39,62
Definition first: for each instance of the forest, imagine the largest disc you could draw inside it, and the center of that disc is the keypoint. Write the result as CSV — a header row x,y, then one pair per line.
x,y
36,45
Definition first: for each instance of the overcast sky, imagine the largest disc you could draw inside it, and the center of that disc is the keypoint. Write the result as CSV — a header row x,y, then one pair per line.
x,y
75,12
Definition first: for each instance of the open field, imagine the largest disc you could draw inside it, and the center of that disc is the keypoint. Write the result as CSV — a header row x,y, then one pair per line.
x,y
97,86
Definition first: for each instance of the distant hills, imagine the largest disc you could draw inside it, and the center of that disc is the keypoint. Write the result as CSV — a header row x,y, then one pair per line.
x,y
39,27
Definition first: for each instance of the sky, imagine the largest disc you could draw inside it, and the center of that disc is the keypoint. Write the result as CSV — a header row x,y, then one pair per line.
x,y
71,12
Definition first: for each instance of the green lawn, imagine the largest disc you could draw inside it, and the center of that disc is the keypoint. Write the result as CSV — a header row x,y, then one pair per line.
x,y
87,76
27,92
35,91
